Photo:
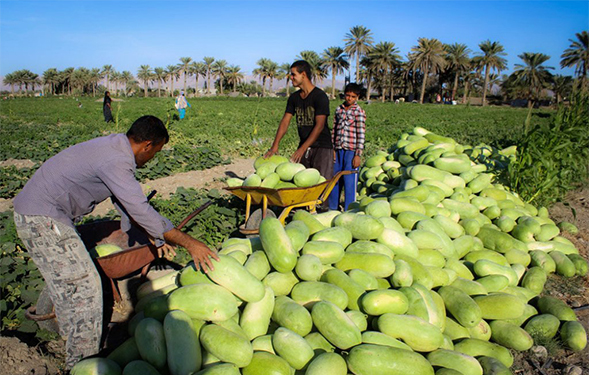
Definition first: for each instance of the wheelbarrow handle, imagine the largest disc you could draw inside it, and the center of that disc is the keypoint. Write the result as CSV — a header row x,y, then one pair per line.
x,y
31,314
332,183
192,215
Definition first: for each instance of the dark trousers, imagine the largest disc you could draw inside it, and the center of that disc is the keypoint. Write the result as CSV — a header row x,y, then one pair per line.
x,y
320,159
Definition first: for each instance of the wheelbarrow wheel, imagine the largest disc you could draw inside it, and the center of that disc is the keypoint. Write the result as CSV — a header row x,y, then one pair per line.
x,y
255,219
45,307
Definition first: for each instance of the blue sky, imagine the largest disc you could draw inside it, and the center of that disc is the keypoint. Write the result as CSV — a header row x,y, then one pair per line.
x,y
38,35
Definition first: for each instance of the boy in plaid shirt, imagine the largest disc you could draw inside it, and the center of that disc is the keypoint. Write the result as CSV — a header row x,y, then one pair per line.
x,y
349,127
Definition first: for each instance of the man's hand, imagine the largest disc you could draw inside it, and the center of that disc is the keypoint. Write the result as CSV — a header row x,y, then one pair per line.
x,y
356,161
167,251
298,155
199,252
269,153
202,255
334,156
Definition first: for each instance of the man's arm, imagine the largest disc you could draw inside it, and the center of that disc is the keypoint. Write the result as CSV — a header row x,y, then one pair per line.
x,y
200,253
317,129
282,128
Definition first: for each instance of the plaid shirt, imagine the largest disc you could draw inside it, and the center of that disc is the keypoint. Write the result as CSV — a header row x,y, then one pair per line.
x,y
349,127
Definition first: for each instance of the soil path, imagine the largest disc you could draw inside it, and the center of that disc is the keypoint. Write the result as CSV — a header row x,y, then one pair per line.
x,y
208,179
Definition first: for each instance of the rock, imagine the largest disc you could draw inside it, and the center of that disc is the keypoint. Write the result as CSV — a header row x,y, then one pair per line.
x,y
540,352
572,370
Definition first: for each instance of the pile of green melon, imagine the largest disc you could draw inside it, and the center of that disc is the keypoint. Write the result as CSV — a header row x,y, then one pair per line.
x,y
436,270
276,172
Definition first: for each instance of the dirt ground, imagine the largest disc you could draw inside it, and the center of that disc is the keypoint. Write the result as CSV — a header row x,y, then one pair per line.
x,y
208,178
18,358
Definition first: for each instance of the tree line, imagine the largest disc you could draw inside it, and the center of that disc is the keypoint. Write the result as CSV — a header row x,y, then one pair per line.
x,y
431,67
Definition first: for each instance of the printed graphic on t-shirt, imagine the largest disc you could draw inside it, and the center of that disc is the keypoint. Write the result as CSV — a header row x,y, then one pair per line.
x,y
305,116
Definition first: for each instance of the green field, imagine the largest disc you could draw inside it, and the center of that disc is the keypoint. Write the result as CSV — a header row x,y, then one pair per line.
x,y
36,128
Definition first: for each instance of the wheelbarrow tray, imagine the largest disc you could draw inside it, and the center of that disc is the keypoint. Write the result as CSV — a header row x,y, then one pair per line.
x,y
137,249
280,197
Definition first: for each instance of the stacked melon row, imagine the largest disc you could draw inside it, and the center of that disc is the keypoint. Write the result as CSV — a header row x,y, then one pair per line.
x,y
276,172
436,276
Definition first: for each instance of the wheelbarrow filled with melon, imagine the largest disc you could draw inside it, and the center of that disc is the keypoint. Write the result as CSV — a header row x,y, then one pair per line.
x,y
280,183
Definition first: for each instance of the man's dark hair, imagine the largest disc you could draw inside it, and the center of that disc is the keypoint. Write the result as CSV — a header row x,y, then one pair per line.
x,y
148,128
302,66
353,87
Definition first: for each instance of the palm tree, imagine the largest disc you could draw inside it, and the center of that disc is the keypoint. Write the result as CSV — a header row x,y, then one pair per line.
x,y
208,61
385,56
220,71
50,78
94,76
358,43
234,76
317,71
473,73
67,78
184,68
160,75
79,78
145,74
458,62
106,71
126,78
262,72
198,69
428,57
577,55
368,71
533,74
490,60
272,73
116,79
172,71
561,86
334,59
10,79
284,70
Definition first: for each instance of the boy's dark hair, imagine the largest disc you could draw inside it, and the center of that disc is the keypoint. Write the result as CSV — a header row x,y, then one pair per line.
x,y
148,128
302,66
353,87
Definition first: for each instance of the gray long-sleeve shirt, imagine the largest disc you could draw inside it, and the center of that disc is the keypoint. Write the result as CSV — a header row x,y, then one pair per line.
x,y
71,183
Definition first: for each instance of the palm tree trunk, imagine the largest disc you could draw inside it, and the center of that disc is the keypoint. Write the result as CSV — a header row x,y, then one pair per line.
x,y
196,86
357,67
455,88
145,88
221,84
422,94
287,87
466,87
172,82
159,92
485,87
185,93
369,88
392,88
332,83
209,82
263,86
271,84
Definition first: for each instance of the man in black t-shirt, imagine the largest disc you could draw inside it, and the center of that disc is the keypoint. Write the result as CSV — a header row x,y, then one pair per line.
x,y
311,107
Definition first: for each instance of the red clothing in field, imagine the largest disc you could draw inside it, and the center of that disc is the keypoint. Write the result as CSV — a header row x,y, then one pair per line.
x,y
349,128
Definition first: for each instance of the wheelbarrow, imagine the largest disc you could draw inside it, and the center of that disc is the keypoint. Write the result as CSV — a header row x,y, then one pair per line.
x,y
287,198
138,254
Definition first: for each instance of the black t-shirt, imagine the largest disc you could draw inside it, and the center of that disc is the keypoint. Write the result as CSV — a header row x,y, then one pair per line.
x,y
305,110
